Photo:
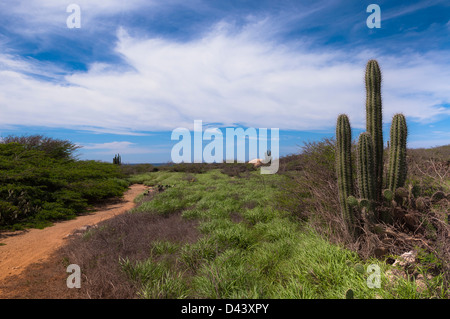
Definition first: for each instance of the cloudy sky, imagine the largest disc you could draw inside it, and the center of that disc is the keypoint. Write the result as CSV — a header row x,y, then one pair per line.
x,y
136,70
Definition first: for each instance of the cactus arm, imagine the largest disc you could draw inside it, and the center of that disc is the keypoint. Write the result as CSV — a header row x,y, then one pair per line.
x,y
344,167
397,155
374,120
365,167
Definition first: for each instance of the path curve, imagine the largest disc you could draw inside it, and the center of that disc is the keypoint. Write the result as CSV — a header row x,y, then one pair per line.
x,y
23,248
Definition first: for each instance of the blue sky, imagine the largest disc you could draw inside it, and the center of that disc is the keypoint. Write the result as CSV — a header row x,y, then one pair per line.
x,y
136,70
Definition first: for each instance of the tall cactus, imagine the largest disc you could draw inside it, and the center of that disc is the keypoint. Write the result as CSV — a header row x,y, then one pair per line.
x,y
117,159
369,156
397,153
374,120
365,167
344,166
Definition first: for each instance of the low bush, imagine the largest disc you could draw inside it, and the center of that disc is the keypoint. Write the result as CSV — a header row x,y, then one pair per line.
x,y
38,186
133,169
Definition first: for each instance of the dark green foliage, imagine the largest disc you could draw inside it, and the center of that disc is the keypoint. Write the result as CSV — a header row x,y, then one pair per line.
x,y
374,120
55,148
236,169
131,169
322,154
194,168
344,167
306,191
365,167
36,186
397,153
290,162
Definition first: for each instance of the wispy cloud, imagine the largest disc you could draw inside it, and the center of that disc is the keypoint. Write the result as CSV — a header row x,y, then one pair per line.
x,y
122,147
410,8
226,76
234,72
107,146
29,15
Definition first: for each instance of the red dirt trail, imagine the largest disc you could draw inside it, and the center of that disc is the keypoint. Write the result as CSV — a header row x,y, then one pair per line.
x,y
21,249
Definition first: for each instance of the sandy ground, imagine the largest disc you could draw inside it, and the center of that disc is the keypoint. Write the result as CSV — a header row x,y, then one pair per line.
x,y
23,248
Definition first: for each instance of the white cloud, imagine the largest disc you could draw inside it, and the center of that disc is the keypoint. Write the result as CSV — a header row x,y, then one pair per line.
x,y
228,77
107,146
123,147
38,16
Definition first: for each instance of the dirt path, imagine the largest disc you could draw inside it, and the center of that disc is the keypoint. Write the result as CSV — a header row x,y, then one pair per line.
x,y
23,248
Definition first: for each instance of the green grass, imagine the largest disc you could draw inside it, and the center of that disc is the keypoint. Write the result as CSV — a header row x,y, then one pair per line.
x,y
248,248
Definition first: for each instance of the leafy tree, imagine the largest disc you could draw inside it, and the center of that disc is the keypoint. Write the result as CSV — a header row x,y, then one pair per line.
x,y
56,148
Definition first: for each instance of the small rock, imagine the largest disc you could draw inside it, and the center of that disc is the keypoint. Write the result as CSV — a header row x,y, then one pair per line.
x,y
85,228
406,260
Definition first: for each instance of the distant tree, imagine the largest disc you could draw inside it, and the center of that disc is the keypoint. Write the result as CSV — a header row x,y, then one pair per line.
x,y
56,148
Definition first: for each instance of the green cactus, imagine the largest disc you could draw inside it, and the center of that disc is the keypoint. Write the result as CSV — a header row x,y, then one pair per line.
x,y
370,158
349,294
366,178
365,167
397,153
360,269
344,167
374,120
388,195
117,159
352,201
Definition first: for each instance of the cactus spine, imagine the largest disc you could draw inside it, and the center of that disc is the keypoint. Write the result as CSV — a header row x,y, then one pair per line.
x,y
344,166
397,153
374,120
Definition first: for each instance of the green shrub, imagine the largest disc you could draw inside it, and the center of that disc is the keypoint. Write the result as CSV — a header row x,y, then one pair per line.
x,y
40,181
54,148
